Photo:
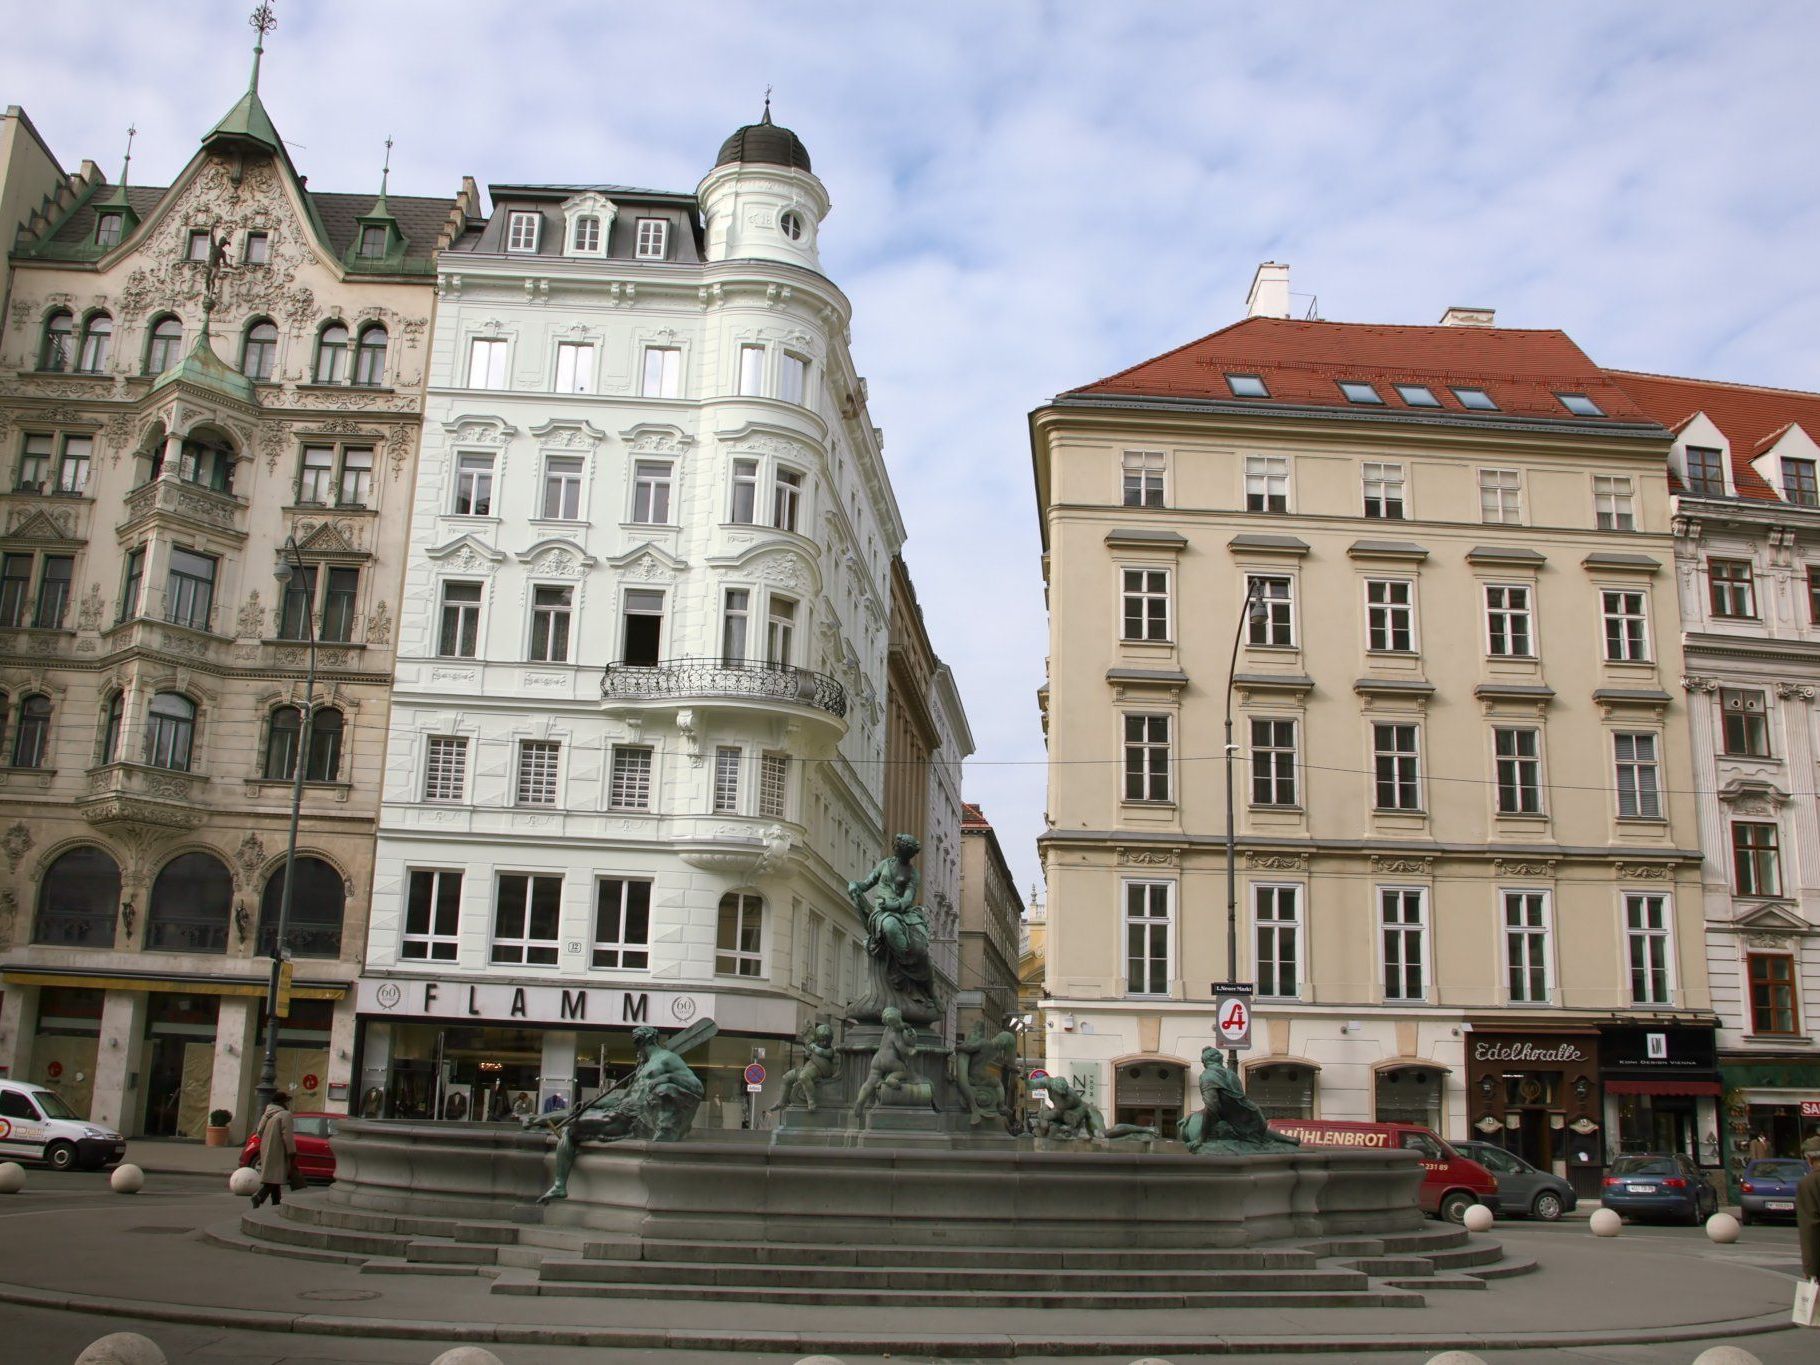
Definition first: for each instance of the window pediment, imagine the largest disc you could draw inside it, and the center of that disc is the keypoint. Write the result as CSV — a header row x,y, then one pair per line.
x,y
587,222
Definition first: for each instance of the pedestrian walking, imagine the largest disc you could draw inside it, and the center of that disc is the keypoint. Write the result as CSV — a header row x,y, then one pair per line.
x,y
1807,1229
1759,1146
277,1149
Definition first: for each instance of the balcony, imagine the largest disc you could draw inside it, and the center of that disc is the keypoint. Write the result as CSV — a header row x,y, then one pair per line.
x,y
186,504
716,680
140,795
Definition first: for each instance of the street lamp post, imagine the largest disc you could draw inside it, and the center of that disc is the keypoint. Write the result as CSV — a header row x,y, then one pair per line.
x,y
290,563
1253,609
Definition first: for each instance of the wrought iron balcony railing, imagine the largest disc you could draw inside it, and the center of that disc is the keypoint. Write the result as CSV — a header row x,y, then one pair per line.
x,y
681,678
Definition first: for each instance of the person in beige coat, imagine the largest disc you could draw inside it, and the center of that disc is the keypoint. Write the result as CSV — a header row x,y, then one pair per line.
x,y
277,1149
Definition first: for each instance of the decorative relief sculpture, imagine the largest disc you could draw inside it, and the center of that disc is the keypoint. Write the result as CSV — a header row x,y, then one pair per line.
x,y
379,625
897,940
15,843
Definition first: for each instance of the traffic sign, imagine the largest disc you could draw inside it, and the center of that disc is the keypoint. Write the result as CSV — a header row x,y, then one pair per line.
x,y
1232,1014
755,1076
1038,1074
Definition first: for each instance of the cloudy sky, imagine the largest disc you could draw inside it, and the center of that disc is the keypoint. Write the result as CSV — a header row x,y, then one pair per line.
x,y
1030,195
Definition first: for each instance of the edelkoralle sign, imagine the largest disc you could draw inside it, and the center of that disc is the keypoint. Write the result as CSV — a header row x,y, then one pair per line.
x,y
1523,1052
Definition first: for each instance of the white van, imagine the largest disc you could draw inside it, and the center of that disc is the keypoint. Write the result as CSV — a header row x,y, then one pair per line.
x,y
36,1125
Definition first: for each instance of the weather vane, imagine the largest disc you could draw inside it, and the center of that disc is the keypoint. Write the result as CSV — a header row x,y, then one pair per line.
x,y
767,104
264,20
385,174
131,133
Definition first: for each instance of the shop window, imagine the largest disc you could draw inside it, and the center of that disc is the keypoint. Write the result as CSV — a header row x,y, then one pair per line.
x,y
1149,1094
77,900
1282,1091
1409,1094
318,902
192,900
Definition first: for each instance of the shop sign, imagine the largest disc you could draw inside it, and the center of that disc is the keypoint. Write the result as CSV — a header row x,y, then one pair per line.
x,y
1810,1109
504,1002
1657,1052
1517,1050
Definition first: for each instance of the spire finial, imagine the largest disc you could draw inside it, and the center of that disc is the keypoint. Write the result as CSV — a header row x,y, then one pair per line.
x,y
767,117
126,165
385,175
263,22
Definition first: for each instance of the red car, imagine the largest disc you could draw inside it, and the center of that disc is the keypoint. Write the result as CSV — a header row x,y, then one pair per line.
x,y
314,1154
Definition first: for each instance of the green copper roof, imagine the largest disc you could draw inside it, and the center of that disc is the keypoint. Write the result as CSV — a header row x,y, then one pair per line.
x,y
205,369
247,121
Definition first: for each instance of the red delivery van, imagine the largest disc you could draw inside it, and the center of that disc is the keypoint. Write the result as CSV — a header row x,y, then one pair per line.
x,y
1451,1184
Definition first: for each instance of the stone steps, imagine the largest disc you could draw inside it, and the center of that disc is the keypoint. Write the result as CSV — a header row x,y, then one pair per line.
x,y
994,1258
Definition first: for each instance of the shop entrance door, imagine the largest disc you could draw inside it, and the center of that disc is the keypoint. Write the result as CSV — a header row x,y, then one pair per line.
x,y
163,1085
1533,1139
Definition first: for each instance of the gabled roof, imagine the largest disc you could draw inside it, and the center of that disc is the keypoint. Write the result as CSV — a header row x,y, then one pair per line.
x,y
1302,364
1748,414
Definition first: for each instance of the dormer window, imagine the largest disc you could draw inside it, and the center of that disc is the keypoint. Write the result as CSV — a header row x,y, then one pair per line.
x,y
1580,405
521,231
584,236
1418,395
1357,391
653,239
1476,399
258,248
1705,472
1247,386
108,227
1798,484
372,242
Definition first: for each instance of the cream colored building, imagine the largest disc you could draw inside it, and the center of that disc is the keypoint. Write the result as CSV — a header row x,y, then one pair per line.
x,y
1468,880
154,459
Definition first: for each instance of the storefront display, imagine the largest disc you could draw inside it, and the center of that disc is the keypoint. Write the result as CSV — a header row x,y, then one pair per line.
x,y
1662,1088
1536,1093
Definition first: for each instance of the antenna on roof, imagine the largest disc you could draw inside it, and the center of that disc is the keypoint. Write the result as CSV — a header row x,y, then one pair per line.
x,y
131,133
1313,312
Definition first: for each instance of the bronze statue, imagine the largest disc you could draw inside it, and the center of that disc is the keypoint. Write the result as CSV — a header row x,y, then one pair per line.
x,y
1074,1119
890,1069
1228,1122
978,1069
818,1065
897,940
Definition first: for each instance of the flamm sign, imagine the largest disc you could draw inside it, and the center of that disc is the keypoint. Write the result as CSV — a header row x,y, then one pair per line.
x,y
476,1001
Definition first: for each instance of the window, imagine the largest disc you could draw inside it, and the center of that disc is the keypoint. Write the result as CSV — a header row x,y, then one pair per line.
x,y
1390,615
551,607
1148,916
15,588
445,774
780,630
735,615
1813,595
642,626
1384,491
521,231
630,785
189,595
773,785
1733,591
1146,758
460,620
1276,911
562,487
1143,482
283,731
432,917
54,591
1626,627
110,728
332,354
170,731
316,479
258,250
1500,497
108,227
1639,794
1476,399
1402,919
296,603
341,589
790,223
356,477
1418,395
32,735
584,234
1646,933
1397,767
372,242
1146,604
739,935
1507,623
622,924
574,367
653,239
1705,472
1359,392
259,352
1519,766
56,353
793,379
487,363
369,356
745,492
1744,722
786,498
1756,867
35,462
537,760
751,371
527,914
1613,504
1273,762
198,246
473,485
97,341
1275,624
73,469
1798,484
165,342
651,492
726,780
1526,946
1580,405
135,577
1266,483
1772,993
663,372
1247,386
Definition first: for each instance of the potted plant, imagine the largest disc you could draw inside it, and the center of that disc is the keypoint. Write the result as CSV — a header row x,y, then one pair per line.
x,y
216,1134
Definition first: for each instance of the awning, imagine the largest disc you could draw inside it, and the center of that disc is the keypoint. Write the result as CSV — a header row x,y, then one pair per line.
x,y
1662,1088
177,985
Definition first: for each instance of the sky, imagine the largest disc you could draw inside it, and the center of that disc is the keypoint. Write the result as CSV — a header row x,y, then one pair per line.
x,y
1030,195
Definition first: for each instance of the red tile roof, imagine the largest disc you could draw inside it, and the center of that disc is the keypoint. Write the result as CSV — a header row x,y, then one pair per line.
x,y
972,817
1752,418
1302,362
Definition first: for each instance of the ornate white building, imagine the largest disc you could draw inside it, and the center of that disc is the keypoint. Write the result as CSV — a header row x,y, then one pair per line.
x,y
636,750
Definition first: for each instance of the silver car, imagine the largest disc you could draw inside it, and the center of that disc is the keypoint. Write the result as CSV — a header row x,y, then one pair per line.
x,y
1524,1189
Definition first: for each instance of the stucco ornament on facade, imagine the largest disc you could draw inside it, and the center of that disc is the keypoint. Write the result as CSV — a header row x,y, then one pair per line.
x,y
15,843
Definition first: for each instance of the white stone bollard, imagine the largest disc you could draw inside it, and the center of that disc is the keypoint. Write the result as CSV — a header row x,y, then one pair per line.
x,y
1478,1219
244,1181
468,1355
122,1348
127,1179
1455,1358
1726,1355
12,1177
1722,1228
1147,1360
836,1360
1605,1223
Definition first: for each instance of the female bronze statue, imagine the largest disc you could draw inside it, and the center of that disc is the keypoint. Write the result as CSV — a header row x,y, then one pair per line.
x,y
897,940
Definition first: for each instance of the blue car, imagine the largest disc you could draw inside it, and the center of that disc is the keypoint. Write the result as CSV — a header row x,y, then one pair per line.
x,y
1659,1185
1767,1189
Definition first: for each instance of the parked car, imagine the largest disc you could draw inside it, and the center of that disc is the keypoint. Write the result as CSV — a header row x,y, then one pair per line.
x,y
1523,1190
1451,1183
314,1155
1659,1184
37,1125
1767,1188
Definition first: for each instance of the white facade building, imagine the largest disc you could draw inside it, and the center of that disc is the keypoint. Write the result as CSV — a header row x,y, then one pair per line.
x,y
636,750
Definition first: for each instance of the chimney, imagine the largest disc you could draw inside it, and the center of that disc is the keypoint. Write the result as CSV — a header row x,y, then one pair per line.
x,y
1461,315
1269,297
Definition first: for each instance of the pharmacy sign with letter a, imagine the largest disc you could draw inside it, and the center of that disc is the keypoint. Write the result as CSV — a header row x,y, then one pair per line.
x,y
1232,1014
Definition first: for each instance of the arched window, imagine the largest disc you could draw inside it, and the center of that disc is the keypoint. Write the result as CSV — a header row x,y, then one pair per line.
x,y
170,731
192,900
59,329
584,234
332,355
318,899
164,345
325,744
259,352
110,727
77,900
369,361
97,341
32,736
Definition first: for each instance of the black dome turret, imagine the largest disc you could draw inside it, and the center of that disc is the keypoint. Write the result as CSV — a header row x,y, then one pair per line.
x,y
764,144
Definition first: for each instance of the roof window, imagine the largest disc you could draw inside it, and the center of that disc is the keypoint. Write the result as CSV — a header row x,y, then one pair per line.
x,y
1246,386
1418,395
1580,405
1357,391
1476,399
